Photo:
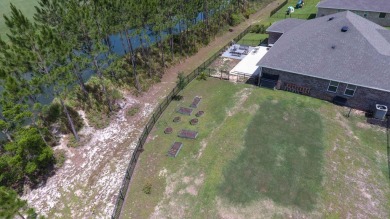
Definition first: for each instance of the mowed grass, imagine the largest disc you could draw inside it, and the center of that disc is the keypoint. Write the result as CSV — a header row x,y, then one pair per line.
x,y
252,39
26,6
282,158
262,154
308,11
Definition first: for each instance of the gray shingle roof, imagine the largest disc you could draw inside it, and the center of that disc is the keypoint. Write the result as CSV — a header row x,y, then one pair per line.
x,y
361,56
285,25
359,5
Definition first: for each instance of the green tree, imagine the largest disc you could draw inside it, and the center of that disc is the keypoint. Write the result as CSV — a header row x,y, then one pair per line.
x,y
11,205
27,157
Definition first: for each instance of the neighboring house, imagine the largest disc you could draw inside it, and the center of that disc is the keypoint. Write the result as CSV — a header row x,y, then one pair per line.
x,y
377,11
341,57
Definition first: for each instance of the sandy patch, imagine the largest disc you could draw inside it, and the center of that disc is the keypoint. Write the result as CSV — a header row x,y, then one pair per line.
x,y
260,209
241,97
176,200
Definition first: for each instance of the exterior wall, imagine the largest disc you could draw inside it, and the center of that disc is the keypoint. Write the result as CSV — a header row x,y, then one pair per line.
x,y
273,37
363,99
372,16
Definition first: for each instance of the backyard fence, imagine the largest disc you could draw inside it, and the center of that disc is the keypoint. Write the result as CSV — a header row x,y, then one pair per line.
x,y
278,8
152,121
226,75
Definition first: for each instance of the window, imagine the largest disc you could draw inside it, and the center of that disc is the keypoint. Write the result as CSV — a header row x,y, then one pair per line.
x,y
382,15
350,90
333,85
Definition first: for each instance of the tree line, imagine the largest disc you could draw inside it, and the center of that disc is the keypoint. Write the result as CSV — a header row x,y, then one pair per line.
x,y
48,57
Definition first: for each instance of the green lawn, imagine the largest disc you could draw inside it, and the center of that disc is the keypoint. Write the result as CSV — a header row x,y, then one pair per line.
x,y
252,39
26,6
307,12
262,154
289,152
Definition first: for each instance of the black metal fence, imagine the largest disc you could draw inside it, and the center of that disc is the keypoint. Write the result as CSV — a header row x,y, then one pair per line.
x,y
152,121
278,8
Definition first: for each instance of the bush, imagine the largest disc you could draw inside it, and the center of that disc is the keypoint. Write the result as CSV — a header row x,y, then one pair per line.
x,y
259,29
97,119
202,76
147,189
246,14
133,110
72,143
181,81
55,114
235,19
60,158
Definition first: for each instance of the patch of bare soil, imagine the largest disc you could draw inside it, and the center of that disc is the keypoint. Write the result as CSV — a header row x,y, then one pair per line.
x,y
242,96
224,64
88,183
265,208
363,187
176,200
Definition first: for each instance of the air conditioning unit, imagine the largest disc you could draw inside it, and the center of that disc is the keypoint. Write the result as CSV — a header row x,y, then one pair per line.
x,y
380,111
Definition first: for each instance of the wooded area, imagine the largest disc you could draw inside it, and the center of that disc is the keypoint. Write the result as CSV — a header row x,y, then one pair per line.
x,y
48,59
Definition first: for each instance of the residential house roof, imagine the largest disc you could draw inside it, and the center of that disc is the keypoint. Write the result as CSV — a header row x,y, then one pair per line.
x,y
318,48
285,25
358,5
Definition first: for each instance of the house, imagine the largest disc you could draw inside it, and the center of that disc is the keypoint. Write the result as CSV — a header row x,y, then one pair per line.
x,y
342,57
277,29
377,11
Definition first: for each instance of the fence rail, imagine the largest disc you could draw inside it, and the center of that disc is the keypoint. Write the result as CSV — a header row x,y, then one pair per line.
x,y
278,8
152,121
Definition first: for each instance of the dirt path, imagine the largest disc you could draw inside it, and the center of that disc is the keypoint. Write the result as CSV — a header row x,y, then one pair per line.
x,y
88,183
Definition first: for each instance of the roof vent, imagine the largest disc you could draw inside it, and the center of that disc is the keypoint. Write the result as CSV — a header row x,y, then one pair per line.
x,y
331,18
344,29
333,47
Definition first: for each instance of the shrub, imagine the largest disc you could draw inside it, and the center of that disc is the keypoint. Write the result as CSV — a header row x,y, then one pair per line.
x,y
133,110
246,14
259,29
202,76
181,81
97,119
60,158
235,19
72,143
147,189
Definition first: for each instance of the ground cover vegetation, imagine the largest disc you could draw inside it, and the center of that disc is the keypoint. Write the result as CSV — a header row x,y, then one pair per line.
x,y
49,56
261,153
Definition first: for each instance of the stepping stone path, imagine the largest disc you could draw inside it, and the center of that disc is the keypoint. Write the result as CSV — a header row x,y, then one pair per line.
x,y
194,121
176,119
199,114
195,102
188,134
175,149
185,111
168,130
